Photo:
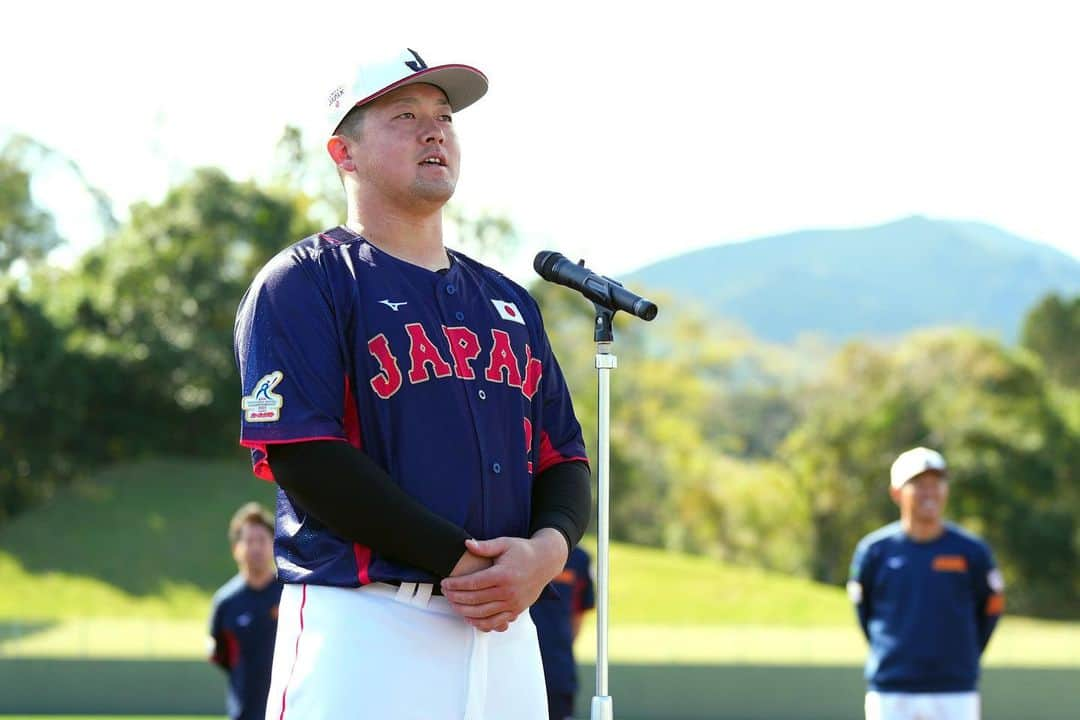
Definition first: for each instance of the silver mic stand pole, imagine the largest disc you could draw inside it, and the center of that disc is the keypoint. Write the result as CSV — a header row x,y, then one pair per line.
x,y
602,707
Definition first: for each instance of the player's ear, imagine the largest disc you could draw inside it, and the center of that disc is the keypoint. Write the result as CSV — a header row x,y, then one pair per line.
x,y
340,153
894,493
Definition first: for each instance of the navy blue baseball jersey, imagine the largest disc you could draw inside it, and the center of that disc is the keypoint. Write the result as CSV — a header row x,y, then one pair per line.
x,y
571,593
243,624
445,379
927,608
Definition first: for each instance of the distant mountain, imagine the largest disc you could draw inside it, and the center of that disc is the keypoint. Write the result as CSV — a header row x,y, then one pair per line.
x,y
876,281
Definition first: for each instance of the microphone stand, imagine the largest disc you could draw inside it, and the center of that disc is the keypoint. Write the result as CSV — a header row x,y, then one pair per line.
x,y
602,707
605,294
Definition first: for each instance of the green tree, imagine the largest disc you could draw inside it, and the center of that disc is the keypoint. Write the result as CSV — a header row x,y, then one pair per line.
x,y
853,422
745,512
52,396
42,405
1014,459
1052,331
27,232
160,298
682,406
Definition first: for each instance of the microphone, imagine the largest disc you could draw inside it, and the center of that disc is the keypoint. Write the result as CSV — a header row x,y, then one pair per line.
x,y
604,291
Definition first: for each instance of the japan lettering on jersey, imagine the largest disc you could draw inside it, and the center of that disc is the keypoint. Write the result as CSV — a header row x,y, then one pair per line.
x,y
446,380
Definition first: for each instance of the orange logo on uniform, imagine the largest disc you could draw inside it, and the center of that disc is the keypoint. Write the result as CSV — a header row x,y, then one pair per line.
x,y
567,577
273,612
950,563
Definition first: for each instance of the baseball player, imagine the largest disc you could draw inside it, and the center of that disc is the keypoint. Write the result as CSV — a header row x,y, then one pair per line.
x,y
243,620
928,596
558,615
431,473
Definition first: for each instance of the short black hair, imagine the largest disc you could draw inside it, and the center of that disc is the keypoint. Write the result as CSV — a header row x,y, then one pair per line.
x,y
353,123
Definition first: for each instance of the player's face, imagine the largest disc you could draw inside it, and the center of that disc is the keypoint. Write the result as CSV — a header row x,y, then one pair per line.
x,y
407,150
254,550
923,498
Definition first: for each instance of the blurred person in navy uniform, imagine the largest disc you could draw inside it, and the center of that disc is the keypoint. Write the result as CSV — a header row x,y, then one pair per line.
x,y
243,621
558,614
928,596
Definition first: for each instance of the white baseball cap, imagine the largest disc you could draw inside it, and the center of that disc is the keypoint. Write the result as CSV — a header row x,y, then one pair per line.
x,y
463,84
914,462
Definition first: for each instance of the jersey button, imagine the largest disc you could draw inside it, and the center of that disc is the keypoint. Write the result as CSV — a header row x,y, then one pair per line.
x,y
497,468
450,289
459,315
482,395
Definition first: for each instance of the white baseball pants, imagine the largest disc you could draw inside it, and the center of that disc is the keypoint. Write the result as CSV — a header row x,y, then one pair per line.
x,y
922,706
382,651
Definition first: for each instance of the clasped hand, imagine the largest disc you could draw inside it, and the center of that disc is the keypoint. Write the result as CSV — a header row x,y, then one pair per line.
x,y
496,580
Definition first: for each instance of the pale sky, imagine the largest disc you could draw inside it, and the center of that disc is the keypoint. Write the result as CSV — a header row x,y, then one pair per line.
x,y
619,132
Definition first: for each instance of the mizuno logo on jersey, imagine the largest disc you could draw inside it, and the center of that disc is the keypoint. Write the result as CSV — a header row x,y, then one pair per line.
x,y
263,404
508,311
393,305
500,363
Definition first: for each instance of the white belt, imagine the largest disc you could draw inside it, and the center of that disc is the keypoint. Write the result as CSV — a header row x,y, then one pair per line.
x,y
418,594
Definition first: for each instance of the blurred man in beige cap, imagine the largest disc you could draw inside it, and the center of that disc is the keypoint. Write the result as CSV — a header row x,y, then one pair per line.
x,y
928,596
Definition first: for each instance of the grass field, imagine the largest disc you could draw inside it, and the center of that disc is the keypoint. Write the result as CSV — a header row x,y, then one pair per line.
x,y
123,566
1018,642
147,540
